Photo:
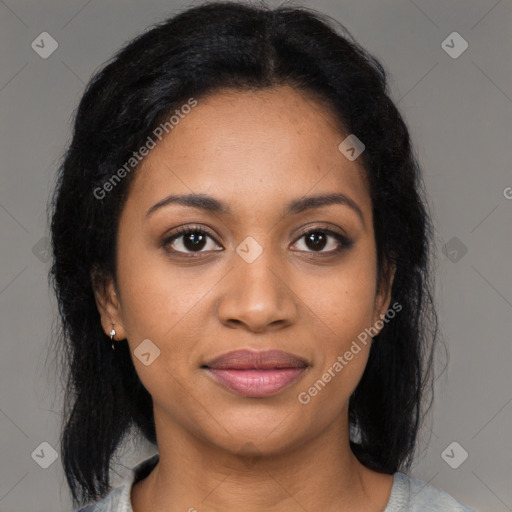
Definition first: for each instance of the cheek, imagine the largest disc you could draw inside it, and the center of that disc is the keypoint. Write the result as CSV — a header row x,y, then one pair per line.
x,y
344,298
158,304
157,296
166,304
344,304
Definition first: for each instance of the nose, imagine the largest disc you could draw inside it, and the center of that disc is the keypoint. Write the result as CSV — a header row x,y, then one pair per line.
x,y
257,297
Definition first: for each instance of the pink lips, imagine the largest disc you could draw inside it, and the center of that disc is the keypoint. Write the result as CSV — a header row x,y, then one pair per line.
x,y
256,373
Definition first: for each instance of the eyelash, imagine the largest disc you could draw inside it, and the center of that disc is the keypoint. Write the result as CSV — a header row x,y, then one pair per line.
x,y
343,241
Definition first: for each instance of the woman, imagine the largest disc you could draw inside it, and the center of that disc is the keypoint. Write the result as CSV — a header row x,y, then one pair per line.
x,y
241,259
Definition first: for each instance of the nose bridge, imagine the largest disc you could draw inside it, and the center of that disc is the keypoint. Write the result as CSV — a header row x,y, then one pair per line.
x,y
255,294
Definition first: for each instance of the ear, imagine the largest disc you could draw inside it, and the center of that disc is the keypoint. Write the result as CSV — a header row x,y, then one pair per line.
x,y
108,304
383,295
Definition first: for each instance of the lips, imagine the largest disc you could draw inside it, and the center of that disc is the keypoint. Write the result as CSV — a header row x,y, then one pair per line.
x,y
256,373
257,360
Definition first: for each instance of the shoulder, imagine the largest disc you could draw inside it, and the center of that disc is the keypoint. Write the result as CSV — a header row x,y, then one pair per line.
x,y
114,501
118,499
412,495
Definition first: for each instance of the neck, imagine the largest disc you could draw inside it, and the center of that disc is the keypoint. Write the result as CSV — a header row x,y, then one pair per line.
x,y
322,474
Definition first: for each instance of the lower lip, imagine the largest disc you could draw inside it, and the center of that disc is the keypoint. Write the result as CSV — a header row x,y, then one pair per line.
x,y
257,383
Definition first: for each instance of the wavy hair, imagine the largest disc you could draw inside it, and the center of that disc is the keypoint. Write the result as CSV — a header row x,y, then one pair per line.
x,y
197,52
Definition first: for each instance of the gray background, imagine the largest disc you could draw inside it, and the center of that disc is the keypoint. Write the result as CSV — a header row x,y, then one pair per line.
x,y
459,111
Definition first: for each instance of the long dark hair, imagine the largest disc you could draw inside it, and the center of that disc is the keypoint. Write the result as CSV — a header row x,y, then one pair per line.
x,y
197,52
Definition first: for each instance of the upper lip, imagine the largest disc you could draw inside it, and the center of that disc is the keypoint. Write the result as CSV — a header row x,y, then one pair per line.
x,y
259,360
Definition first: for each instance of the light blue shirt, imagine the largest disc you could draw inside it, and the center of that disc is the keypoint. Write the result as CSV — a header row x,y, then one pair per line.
x,y
407,494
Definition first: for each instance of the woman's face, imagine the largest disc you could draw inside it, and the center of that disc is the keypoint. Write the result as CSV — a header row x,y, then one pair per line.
x,y
251,279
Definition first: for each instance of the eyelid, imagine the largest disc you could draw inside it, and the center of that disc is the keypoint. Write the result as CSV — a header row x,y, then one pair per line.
x,y
187,228
323,228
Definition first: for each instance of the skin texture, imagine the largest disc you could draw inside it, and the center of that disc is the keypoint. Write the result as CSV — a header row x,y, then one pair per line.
x,y
220,451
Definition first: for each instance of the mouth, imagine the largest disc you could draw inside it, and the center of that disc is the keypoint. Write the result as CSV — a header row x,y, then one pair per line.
x,y
256,373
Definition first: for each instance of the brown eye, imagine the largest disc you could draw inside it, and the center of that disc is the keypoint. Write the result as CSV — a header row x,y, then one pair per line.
x,y
316,240
189,240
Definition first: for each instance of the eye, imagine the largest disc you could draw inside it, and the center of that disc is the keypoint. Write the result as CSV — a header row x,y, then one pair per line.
x,y
318,239
189,240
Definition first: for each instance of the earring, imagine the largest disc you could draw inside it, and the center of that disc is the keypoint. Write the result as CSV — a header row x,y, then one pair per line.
x,y
112,334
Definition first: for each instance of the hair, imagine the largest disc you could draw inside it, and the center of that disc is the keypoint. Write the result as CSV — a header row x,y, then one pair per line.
x,y
200,51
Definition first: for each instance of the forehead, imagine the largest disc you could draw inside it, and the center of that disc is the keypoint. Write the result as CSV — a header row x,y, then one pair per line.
x,y
257,148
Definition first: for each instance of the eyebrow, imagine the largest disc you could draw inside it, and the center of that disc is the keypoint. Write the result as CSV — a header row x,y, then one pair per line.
x,y
210,204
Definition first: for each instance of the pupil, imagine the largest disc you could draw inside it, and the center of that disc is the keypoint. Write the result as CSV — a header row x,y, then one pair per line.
x,y
194,240
317,241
